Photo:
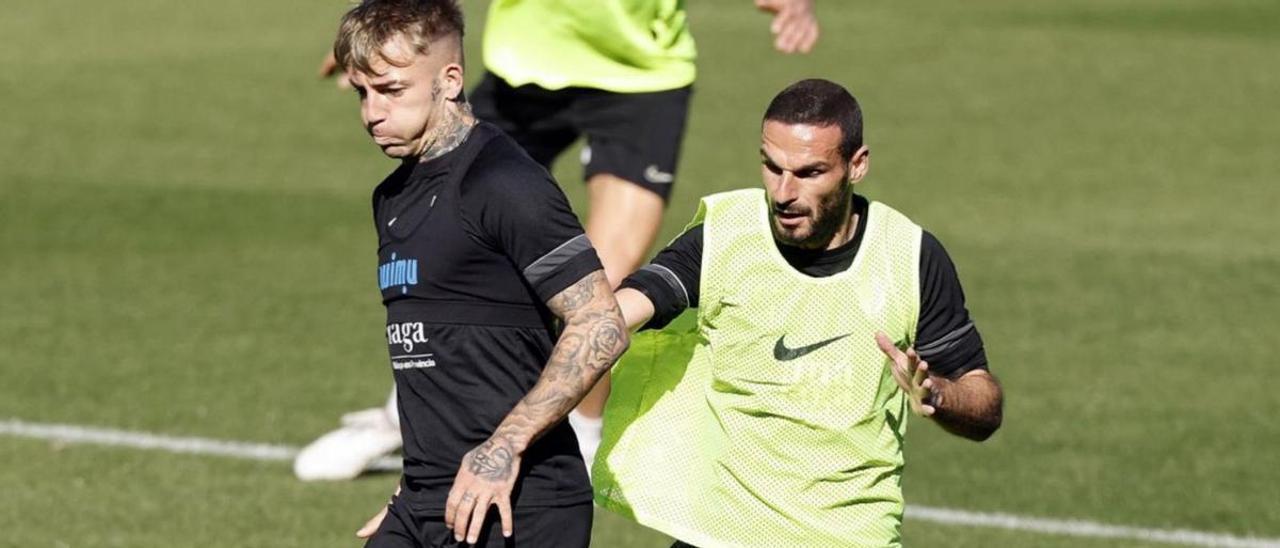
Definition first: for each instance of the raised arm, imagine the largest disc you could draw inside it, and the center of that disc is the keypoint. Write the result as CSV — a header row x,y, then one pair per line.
x,y
594,337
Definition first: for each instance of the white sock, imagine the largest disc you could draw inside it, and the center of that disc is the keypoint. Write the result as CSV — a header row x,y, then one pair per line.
x,y
588,430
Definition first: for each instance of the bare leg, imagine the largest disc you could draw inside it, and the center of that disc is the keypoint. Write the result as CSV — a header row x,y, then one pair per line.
x,y
622,224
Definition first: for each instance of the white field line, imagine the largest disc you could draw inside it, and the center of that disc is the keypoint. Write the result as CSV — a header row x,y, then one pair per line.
x,y
68,433
1080,528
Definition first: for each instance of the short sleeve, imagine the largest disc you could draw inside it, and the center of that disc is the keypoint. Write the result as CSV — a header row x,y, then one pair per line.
x,y
946,336
512,204
671,280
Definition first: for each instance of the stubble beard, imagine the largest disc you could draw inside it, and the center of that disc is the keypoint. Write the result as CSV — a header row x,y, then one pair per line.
x,y
832,213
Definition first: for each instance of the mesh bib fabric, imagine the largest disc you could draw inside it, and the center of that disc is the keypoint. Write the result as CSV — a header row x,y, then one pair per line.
x,y
770,418
624,46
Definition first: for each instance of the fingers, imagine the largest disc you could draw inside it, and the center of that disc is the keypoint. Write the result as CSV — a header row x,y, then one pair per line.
x,y
899,362
770,6
922,369
477,519
928,385
783,29
462,515
451,507
910,372
328,66
807,37
371,526
504,511
793,34
466,516
793,31
888,348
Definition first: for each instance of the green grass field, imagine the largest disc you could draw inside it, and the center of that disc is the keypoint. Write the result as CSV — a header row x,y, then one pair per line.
x,y
185,249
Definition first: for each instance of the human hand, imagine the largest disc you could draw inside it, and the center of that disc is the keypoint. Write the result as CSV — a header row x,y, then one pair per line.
x,y
329,67
794,27
486,478
911,374
370,527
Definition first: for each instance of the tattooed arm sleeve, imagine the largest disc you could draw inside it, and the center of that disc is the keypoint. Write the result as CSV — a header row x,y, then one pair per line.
x,y
594,337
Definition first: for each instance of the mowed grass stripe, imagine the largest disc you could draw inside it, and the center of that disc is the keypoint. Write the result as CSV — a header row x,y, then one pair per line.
x,y
68,433
185,247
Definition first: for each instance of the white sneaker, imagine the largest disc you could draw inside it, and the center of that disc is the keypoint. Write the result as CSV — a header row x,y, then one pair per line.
x,y
364,439
588,431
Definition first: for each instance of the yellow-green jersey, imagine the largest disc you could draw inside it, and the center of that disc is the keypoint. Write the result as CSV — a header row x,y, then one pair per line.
x,y
785,427
624,46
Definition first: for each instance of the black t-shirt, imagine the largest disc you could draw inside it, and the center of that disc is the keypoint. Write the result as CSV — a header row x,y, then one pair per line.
x,y
470,247
945,335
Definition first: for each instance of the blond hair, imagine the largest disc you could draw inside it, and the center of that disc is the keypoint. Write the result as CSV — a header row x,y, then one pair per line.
x,y
369,26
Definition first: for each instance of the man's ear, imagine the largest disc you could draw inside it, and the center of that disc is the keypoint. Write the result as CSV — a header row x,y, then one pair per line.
x,y
451,79
859,164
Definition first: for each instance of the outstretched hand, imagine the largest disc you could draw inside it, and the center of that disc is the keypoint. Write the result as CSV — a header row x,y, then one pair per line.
x,y
911,374
794,27
486,478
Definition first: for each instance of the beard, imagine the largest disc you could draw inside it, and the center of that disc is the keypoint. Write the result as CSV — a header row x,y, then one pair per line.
x,y
831,214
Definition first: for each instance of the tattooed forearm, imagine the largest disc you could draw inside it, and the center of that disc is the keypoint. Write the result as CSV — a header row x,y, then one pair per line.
x,y
573,298
594,337
605,337
970,406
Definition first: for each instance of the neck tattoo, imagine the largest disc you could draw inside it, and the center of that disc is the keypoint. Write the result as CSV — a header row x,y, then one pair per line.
x,y
450,132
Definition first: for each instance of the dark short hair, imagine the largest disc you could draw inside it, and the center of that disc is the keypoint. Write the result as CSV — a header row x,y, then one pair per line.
x,y
368,26
821,103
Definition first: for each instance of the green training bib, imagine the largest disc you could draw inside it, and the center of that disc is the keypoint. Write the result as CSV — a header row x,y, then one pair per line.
x,y
770,418
625,46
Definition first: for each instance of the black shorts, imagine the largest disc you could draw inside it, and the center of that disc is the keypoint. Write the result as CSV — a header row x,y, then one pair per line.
x,y
633,136
558,526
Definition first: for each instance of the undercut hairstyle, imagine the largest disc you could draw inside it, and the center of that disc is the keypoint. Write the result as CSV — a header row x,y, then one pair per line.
x,y
369,26
821,103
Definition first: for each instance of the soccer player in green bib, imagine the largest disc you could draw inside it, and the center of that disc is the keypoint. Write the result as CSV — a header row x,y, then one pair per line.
x,y
775,415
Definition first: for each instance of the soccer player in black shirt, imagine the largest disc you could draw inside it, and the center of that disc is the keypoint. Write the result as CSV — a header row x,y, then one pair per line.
x,y
555,73
499,316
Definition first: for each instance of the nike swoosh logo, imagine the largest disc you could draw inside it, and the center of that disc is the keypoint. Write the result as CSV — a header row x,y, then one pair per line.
x,y
782,353
656,176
